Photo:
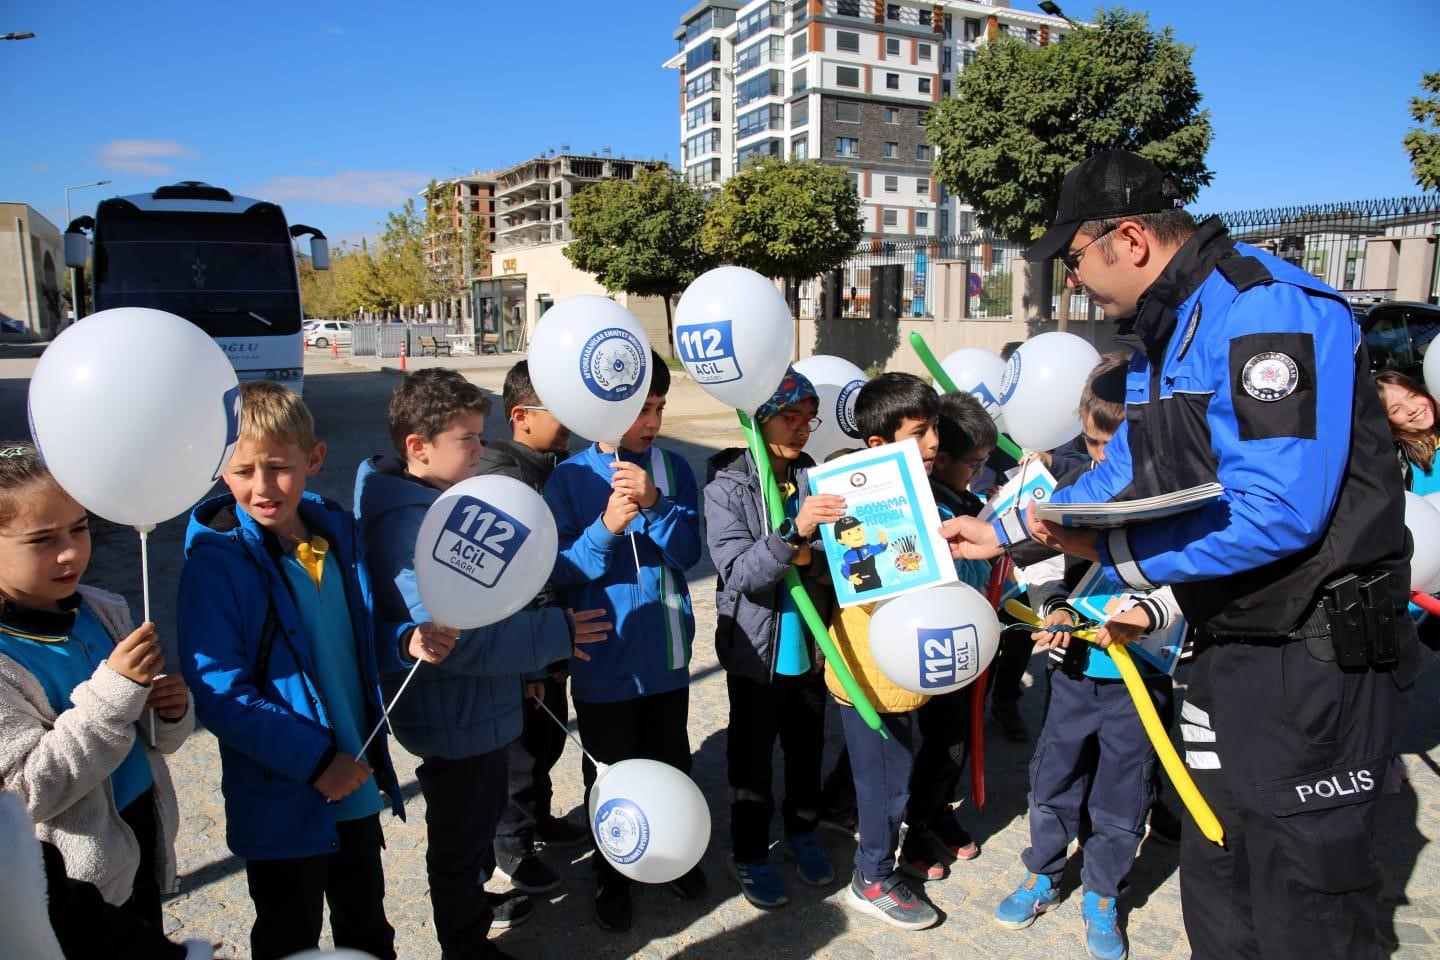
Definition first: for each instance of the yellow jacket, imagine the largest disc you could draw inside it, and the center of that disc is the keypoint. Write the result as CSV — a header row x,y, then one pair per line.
x,y
851,633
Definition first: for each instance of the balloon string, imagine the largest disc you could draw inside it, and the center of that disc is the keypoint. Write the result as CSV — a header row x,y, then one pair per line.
x,y
386,718
634,547
566,730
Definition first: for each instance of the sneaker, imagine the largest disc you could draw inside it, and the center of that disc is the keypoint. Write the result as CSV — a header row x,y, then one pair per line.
x,y
1164,825
954,839
922,866
1007,715
560,833
613,910
510,909
1030,899
1102,933
892,901
844,820
759,882
529,875
812,864
691,885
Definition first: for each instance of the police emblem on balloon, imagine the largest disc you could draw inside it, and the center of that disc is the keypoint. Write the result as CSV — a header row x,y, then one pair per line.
x,y
845,408
1270,376
1010,378
613,364
231,402
622,831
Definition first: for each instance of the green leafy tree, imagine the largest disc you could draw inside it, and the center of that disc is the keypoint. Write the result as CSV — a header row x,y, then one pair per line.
x,y
789,219
1421,143
1022,116
403,276
450,240
641,236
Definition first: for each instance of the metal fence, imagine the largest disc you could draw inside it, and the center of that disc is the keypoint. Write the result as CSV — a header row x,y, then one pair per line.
x,y
384,339
1331,241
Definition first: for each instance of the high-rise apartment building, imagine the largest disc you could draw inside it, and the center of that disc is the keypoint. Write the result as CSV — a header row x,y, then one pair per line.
x,y
532,199
840,81
464,207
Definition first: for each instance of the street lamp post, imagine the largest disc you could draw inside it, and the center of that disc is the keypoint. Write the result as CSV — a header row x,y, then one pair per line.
x,y
74,296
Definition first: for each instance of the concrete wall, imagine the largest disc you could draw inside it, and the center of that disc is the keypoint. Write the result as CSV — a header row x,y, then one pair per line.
x,y
32,272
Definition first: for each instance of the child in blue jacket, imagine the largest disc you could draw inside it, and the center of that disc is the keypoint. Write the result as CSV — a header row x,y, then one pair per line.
x,y
632,696
460,715
276,645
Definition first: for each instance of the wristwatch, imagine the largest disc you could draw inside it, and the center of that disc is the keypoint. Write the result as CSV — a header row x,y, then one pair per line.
x,y
790,533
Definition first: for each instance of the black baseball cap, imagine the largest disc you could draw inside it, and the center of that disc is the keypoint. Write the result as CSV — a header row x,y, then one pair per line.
x,y
1113,183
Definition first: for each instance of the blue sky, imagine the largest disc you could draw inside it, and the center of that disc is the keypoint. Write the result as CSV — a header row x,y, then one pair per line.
x,y
339,111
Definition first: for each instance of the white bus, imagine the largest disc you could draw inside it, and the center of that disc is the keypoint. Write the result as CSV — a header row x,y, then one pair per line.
x,y
223,262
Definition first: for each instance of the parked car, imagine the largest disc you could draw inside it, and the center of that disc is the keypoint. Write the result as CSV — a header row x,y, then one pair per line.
x,y
327,332
1398,334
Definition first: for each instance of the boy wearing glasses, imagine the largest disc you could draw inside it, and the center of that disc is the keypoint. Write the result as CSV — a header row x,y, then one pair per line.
x,y
537,443
935,839
772,669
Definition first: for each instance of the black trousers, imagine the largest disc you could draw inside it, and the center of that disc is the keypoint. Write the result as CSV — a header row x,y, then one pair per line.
x,y
791,709
463,800
87,926
944,723
645,728
144,902
1016,648
290,894
1290,752
530,760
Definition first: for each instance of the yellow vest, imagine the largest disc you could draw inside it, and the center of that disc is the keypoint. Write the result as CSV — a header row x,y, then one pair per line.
x,y
851,633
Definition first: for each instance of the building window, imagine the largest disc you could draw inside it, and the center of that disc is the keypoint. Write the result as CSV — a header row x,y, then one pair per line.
x,y
922,220
922,185
922,152
767,84
696,87
847,8
892,114
1032,36
847,77
947,26
919,118
892,46
707,52
892,11
892,149
797,82
927,18
799,113
799,44
766,118
972,29
891,218
847,41
855,182
847,146
763,148
946,60
924,84
945,87
892,81
892,184
800,148
847,111
707,112
924,51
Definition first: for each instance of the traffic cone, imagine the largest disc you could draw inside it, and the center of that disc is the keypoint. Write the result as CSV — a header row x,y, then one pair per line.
x,y
334,350
402,357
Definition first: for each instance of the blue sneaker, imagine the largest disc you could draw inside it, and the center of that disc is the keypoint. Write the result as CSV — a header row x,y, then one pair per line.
x,y
1030,899
759,882
811,862
1102,934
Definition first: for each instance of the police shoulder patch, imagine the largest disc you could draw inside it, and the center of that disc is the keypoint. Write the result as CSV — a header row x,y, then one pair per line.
x,y
1270,376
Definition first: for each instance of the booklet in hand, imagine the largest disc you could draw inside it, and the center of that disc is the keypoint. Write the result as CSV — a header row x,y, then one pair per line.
x,y
1097,597
888,542
1120,512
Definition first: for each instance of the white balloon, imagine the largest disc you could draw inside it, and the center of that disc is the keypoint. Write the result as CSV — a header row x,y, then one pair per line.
x,y
136,412
1430,369
1040,392
590,364
649,820
979,373
934,641
838,383
485,549
1423,520
735,335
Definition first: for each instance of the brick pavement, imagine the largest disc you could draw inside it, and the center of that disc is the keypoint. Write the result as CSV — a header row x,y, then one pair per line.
x,y
213,901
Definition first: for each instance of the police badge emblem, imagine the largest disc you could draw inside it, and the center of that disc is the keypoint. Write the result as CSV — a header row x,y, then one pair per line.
x,y
1270,376
613,364
622,830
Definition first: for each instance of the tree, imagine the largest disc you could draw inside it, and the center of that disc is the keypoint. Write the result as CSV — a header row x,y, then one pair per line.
x,y
1424,145
789,219
1022,116
640,236
403,276
450,239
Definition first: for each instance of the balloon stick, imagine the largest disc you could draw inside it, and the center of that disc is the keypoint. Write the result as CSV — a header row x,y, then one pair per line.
x,y
144,531
1200,810
922,350
599,767
802,600
386,718
634,547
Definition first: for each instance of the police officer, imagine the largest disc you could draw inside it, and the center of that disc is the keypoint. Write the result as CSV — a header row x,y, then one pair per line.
x,y
1250,372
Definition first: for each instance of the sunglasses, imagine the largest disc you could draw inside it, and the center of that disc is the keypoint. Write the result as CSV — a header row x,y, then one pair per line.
x,y
1072,258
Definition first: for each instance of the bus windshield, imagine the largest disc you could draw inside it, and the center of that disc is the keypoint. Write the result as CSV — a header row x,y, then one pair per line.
x,y
231,275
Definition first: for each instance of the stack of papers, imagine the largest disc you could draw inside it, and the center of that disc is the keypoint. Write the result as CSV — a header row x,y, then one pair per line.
x,y
1119,513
